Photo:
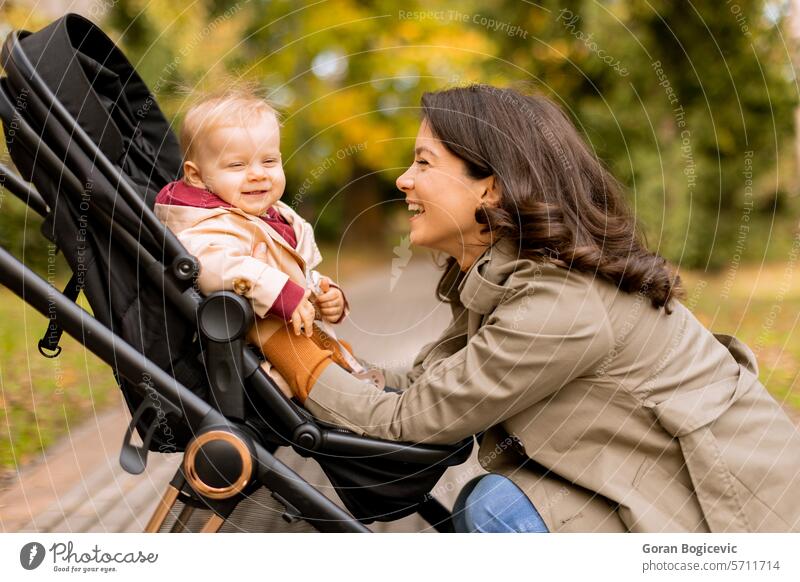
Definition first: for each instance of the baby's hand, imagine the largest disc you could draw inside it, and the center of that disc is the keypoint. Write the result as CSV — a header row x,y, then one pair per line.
x,y
303,316
330,302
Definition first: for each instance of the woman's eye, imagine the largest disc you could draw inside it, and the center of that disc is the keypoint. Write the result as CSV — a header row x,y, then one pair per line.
x,y
422,162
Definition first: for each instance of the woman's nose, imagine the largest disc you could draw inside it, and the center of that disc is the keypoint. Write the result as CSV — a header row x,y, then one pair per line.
x,y
405,181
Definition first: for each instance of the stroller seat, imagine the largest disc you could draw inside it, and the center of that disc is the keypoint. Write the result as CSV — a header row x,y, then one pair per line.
x,y
86,133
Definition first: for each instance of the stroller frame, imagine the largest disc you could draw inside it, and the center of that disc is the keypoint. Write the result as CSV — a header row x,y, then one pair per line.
x,y
230,453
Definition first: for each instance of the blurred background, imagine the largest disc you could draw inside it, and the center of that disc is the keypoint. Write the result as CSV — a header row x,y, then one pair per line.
x,y
693,106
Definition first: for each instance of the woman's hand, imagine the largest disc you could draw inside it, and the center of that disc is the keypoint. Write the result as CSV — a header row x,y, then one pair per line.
x,y
331,301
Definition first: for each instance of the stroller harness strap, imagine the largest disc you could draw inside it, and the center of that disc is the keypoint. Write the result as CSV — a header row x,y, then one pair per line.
x,y
48,345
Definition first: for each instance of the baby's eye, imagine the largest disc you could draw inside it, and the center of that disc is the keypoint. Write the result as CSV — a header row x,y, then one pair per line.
x,y
269,161
236,165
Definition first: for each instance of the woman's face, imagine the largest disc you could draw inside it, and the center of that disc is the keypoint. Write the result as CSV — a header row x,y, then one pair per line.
x,y
443,199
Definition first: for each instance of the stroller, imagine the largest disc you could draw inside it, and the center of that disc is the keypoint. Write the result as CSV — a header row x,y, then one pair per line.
x,y
84,130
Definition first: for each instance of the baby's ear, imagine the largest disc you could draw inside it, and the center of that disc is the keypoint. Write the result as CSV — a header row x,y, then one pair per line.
x,y
191,174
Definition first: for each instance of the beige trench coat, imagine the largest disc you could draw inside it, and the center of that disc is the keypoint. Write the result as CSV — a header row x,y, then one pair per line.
x,y
223,241
610,415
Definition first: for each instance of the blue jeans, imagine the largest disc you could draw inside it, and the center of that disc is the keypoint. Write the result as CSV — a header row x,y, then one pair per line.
x,y
493,504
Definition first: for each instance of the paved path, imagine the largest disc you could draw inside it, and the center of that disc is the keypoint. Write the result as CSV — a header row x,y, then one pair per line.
x,y
79,486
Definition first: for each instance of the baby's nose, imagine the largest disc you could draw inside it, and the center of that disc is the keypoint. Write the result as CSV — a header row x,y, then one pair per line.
x,y
257,170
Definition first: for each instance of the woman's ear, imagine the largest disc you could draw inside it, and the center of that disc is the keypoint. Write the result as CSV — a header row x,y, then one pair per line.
x,y
491,196
191,174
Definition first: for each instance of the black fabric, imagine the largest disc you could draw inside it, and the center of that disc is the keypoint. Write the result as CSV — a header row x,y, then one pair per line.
x,y
376,489
100,88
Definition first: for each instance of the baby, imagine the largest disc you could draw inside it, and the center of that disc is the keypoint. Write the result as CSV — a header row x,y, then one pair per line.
x,y
227,208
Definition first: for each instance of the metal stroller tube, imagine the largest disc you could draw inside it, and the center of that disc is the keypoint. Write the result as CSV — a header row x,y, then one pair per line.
x,y
102,341
22,190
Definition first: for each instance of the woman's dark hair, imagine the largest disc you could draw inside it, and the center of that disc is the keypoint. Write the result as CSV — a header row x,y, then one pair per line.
x,y
557,201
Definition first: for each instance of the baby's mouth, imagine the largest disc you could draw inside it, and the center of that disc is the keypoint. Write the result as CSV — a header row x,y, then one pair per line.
x,y
256,193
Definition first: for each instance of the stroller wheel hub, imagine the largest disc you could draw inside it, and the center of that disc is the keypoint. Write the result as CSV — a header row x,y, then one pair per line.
x,y
218,464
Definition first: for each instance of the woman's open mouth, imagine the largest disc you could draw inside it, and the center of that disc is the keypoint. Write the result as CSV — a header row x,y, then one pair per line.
x,y
416,209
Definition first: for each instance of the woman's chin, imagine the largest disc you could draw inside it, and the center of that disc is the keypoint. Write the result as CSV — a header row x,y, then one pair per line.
x,y
418,239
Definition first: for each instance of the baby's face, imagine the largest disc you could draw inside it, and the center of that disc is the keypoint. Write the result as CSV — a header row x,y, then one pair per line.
x,y
242,164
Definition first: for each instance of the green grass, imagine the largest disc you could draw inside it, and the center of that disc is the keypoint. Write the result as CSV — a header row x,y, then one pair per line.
x,y
40,398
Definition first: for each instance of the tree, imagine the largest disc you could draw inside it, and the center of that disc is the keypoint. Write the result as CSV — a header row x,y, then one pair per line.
x,y
690,104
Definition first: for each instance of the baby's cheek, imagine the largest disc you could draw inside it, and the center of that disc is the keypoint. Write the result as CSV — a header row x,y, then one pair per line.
x,y
279,183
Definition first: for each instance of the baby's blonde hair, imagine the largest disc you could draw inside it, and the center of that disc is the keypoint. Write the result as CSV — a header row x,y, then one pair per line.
x,y
233,107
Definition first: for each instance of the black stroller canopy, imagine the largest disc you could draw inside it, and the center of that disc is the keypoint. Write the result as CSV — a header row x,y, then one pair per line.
x,y
100,88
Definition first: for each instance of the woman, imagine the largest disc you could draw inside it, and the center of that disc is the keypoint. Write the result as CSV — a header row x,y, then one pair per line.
x,y
595,393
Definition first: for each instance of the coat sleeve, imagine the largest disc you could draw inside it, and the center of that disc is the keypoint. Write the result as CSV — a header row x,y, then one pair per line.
x,y
403,378
226,264
531,345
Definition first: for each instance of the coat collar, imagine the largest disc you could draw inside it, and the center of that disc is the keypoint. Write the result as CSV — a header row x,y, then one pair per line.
x,y
195,215
286,212
481,288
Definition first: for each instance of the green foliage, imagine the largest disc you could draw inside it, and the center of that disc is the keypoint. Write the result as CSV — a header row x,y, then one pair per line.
x,y
19,231
690,105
